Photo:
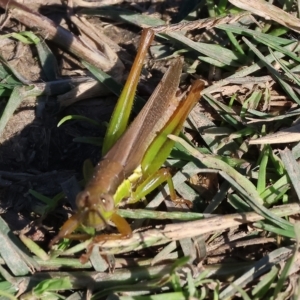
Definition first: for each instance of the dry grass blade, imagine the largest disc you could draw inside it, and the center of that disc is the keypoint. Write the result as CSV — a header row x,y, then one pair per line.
x,y
292,169
100,3
269,12
288,135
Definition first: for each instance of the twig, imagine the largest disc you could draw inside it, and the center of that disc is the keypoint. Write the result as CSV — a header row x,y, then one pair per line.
x,y
174,232
62,37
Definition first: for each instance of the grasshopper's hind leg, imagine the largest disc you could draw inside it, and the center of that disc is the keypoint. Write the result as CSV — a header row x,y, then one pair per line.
x,y
152,182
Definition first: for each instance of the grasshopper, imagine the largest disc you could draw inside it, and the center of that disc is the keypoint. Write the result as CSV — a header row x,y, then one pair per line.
x,y
131,165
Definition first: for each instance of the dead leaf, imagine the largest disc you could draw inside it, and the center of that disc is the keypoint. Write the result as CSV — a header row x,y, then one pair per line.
x,y
269,12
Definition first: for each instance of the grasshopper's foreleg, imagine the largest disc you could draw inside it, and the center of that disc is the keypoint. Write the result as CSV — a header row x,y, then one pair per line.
x,y
122,226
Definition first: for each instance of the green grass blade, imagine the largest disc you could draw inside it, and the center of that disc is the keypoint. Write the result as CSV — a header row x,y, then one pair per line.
x,y
10,249
239,182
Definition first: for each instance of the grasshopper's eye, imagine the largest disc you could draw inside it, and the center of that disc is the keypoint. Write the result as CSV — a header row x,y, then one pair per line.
x,y
107,202
82,199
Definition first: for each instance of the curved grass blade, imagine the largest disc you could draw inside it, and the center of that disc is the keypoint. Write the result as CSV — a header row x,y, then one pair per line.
x,y
238,182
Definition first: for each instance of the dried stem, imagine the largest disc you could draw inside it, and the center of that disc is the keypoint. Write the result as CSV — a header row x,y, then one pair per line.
x,y
62,37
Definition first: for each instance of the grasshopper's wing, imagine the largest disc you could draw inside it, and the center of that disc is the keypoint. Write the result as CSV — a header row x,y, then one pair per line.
x,y
161,147
157,112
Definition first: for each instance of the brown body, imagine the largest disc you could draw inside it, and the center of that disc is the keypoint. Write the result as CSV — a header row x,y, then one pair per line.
x,y
96,202
127,153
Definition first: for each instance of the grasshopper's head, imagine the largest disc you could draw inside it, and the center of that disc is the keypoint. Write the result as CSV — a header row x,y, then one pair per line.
x,y
94,210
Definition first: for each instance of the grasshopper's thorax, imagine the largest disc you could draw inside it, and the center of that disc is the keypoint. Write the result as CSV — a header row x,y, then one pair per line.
x,y
96,202
108,175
